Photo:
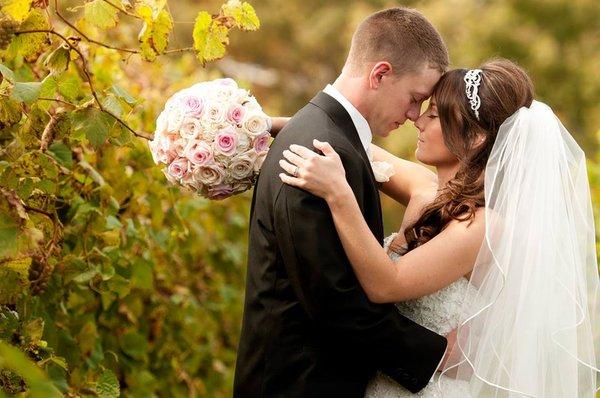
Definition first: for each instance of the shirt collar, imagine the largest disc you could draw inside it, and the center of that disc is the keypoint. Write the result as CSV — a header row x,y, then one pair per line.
x,y
361,124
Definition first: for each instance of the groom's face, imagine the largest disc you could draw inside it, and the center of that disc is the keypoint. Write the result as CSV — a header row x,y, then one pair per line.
x,y
399,98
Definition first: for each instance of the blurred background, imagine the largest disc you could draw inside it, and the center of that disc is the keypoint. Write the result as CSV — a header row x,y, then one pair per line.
x,y
148,290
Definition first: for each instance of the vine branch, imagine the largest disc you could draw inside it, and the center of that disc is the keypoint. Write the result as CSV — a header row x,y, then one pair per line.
x,y
88,77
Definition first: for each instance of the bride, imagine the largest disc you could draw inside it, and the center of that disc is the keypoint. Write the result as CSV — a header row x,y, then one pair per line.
x,y
497,247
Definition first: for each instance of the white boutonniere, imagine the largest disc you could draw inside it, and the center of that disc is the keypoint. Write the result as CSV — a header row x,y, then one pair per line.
x,y
382,171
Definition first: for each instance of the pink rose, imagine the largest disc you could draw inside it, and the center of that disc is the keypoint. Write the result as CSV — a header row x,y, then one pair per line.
x,y
199,152
236,113
192,104
219,192
261,143
226,142
178,167
170,178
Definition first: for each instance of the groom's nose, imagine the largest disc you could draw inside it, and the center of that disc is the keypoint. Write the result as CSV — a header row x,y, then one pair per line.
x,y
413,112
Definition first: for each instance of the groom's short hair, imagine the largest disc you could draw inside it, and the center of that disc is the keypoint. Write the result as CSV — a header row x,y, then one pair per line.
x,y
403,37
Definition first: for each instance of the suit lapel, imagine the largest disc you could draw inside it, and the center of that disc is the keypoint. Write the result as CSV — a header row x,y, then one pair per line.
x,y
342,119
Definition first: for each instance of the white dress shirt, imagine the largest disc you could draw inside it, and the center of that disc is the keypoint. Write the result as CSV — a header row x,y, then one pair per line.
x,y
361,124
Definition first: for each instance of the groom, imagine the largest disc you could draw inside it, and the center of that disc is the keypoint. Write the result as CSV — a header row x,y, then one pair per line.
x,y
309,329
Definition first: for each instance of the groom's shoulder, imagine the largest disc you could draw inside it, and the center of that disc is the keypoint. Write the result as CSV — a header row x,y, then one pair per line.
x,y
312,122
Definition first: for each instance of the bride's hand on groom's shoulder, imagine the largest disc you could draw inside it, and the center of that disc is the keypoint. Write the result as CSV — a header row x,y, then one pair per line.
x,y
321,175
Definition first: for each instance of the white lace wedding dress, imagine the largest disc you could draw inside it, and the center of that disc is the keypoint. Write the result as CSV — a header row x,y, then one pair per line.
x,y
439,312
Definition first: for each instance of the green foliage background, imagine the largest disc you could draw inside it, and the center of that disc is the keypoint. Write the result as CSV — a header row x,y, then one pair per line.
x,y
114,283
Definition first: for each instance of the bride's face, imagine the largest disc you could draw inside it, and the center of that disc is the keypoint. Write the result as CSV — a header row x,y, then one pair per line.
x,y
431,148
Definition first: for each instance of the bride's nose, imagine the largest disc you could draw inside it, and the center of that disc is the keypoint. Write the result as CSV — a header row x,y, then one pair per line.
x,y
419,123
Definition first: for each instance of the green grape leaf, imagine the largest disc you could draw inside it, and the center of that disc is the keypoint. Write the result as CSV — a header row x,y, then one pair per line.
x,y
94,124
34,329
16,9
123,94
26,92
58,60
141,274
69,86
7,73
134,344
25,188
108,385
10,112
48,90
210,38
100,14
61,153
20,266
13,279
154,36
113,223
242,13
30,45
9,230
112,104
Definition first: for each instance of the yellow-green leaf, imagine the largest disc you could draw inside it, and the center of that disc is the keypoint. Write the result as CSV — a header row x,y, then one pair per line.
x,y
101,14
26,92
108,385
243,14
154,36
58,60
30,45
17,9
210,38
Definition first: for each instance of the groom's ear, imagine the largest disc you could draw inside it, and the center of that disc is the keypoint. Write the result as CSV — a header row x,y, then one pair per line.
x,y
379,71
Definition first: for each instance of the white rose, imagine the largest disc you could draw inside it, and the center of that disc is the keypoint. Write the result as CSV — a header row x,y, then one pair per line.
x,y
258,162
244,143
180,146
174,120
255,124
164,141
210,174
161,123
253,105
190,128
154,150
241,186
224,93
241,96
241,166
382,171
215,113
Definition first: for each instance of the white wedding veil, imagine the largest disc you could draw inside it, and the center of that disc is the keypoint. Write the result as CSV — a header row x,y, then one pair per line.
x,y
530,321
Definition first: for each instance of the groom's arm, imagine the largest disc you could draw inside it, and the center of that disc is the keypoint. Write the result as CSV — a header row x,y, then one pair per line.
x,y
327,288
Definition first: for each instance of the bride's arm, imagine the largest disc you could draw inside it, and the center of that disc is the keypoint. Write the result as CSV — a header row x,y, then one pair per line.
x,y
422,271
409,177
277,123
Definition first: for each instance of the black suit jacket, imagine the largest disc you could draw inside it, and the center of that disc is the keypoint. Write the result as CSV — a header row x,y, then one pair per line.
x,y
309,329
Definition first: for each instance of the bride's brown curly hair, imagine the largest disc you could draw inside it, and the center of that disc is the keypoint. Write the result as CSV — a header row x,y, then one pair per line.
x,y
504,88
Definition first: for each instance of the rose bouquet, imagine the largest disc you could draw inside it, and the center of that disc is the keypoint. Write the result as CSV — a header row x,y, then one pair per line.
x,y
212,138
